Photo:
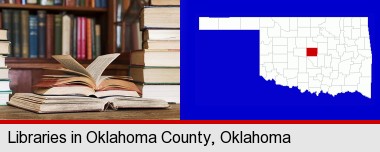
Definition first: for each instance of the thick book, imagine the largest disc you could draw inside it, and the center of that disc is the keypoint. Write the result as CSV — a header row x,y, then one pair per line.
x,y
159,34
16,29
66,34
4,47
33,36
58,34
41,33
25,33
169,93
3,35
162,44
4,73
86,81
155,75
169,58
160,17
50,35
60,104
165,2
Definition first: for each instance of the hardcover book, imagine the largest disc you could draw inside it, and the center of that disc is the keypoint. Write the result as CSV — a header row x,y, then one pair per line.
x,y
86,81
41,34
59,104
33,36
25,33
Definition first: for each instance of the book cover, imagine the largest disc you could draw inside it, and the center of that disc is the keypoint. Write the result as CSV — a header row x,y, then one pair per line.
x,y
41,33
33,36
16,39
25,33
58,34
66,39
50,34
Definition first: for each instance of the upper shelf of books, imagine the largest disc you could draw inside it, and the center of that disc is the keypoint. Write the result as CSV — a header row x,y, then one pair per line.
x,y
55,8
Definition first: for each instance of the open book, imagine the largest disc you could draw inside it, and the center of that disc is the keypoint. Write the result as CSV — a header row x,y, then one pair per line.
x,y
86,81
57,104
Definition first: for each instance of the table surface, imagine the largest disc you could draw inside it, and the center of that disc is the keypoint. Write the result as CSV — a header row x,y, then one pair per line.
x,y
12,113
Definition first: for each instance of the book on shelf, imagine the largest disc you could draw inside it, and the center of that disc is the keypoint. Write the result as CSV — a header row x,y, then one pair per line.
x,y
50,19
33,36
165,2
158,57
161,34
24,33
86,81
77,3
59,104
160,17
155,74
43,35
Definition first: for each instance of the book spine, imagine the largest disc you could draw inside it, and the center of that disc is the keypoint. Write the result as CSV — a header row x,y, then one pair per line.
x,y
98,3
57,2
70,3
23,2
74,37
50,36
1,20
66,24
92,3
84,40
33,36
97,40
104,3
41,33
16,33
93,47
31,1
46,2
25,33
58,34
89,39
18,1
7,24
79,37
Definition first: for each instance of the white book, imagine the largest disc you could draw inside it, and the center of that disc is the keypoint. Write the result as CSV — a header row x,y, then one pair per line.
x,y
66,29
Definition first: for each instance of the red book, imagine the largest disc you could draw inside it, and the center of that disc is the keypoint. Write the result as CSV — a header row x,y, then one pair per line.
x,y
79,38
49,35
70,3
18,1
83,35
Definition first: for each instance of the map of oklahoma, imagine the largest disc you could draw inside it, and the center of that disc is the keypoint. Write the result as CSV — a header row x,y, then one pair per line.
x,y
316,54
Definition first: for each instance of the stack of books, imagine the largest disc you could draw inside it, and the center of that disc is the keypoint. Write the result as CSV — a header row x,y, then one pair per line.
x,y
156,68
42,35
83,89
77,3
5,90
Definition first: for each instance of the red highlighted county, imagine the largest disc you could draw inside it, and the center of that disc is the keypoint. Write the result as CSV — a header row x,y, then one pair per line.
x,y
311,51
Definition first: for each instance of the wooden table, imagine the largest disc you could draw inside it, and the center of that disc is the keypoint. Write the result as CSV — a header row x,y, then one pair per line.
x,y
8,112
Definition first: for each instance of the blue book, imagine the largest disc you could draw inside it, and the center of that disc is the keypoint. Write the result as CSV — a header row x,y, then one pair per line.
x,y
33,36
57,2
104,3
41,33
98,3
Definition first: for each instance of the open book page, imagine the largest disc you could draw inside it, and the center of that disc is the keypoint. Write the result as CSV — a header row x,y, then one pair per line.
x,y
70,63
97,67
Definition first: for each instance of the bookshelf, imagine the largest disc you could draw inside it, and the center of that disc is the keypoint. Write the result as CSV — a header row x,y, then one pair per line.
x,y
25,72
